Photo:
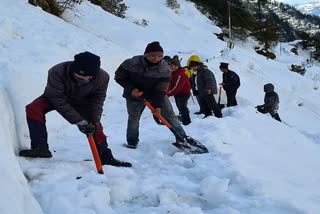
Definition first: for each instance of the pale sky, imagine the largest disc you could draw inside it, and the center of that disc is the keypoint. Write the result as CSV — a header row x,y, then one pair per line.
x,y
296,1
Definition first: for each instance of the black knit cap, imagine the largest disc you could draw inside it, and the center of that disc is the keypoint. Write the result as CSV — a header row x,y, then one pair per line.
x,y
223,65
86,64
153,47
175,61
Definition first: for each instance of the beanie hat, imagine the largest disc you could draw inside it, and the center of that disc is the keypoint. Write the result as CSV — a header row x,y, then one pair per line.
x,y
153,47
175,61
223,65
86,64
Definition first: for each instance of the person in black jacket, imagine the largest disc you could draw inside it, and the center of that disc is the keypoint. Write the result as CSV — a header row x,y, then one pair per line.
x,y
231,83
271,102
204,84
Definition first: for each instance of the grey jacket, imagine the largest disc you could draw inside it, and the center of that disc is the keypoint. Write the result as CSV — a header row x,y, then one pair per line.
x,y
152,80
65,93
271,99
204,80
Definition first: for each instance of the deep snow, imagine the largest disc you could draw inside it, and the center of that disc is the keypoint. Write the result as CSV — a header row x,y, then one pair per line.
x,y
255,164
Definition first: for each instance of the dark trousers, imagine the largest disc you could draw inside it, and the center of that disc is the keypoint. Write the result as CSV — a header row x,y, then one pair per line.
x,y
275,116
202,108
210,105
182,105
135,108
231,98
36,120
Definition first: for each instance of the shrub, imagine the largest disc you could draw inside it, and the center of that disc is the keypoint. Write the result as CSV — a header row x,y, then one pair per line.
x,y
116,7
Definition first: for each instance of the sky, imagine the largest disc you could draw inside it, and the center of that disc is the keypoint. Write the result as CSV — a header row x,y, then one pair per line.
x,y
255,164
293,2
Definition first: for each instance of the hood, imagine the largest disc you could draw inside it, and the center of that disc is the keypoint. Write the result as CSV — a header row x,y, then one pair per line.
x,y
268,88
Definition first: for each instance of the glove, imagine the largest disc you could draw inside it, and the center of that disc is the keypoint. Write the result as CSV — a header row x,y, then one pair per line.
x,y
86,128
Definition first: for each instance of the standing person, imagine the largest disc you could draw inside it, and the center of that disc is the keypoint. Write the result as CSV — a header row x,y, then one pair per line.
x,y
146,76
231,83
77,90
180,88
204,82
191,74
271,102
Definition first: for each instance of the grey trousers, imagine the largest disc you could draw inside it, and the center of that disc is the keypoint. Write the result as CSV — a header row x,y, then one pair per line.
x,y
135,108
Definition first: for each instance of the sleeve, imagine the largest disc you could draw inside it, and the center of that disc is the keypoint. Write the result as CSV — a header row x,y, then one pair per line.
x,y
55,93
122,77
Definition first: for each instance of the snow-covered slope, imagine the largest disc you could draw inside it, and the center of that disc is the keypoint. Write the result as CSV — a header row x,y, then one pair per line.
x,y
255,164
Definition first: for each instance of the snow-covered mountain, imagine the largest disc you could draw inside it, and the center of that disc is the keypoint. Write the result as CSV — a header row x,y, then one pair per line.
x,y
256,165
312,8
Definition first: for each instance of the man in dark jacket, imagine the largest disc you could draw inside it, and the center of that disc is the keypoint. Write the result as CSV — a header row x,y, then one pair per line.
x,y
77,90
204,84
271,102
146,76
231,83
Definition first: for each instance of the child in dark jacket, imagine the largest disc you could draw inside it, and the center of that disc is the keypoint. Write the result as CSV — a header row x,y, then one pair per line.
x,y
271,102
180,88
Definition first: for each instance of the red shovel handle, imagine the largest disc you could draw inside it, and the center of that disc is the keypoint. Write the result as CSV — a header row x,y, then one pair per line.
x,y
95,154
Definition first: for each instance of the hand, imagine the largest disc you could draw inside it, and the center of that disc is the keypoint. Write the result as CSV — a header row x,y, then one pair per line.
x,y
209,91
86,128
222,83
158,110
136,93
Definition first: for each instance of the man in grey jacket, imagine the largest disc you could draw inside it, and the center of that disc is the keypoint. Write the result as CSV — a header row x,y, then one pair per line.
x,y
204,84
146,76
77,90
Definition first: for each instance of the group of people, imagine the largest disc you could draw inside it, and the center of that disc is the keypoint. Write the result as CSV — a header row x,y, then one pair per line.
x,y
77,90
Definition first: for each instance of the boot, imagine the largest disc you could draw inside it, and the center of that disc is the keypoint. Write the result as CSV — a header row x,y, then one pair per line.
x,y
199,112
107,158
36,153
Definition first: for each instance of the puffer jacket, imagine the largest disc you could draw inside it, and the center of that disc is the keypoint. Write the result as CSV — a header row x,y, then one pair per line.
x,y
152,80
64,92
202,81
271,98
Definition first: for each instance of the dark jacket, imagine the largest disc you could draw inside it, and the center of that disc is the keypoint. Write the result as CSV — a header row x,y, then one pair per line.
x,y
202,80
179,84
231,81
64,92
271,99
152,80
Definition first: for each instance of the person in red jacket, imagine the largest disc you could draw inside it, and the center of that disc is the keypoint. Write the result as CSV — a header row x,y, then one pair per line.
x,y
180,88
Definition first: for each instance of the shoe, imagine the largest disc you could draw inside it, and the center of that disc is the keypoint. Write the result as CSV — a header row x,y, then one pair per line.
x,y
131,146
199,112
36,153
118,163
207,115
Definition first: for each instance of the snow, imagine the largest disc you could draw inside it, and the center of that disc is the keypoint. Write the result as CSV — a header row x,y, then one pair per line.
x,y
255,164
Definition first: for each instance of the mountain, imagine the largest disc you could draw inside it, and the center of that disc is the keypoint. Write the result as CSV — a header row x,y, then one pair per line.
x,y
312,8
